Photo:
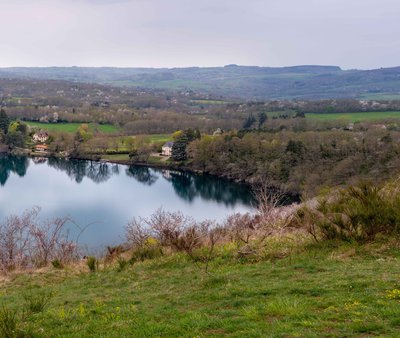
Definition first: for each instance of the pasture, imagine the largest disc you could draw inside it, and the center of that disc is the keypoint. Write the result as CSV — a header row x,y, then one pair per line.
x,y
73,127
356,116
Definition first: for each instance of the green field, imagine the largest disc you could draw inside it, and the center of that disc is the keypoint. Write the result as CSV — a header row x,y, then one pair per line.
x,y
205,102
159,138
73,127
355,117
325,290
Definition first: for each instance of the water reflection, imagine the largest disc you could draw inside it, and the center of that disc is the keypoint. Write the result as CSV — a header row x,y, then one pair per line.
x,y
186,185
189,186
77,170
142,174
12,164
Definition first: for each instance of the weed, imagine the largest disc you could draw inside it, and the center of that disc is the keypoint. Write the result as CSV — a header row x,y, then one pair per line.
x,y
122,264
8,322
35,302
92,263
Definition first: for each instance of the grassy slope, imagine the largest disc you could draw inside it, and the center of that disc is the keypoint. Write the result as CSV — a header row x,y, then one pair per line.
x,y
319,292
72,127
354,117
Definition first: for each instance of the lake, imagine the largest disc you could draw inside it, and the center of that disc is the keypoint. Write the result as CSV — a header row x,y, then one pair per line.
x,y
108,195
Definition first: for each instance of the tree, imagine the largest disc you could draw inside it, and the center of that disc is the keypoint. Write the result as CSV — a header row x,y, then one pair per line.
x,y
179,148
182,139
262,118
4,121
249,122
83,133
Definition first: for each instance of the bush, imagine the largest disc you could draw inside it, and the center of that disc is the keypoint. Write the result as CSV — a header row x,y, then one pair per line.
x,y
122,264
92,263
356,213
57,264
150,250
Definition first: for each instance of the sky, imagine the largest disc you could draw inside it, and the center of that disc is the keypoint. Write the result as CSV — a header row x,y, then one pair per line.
x,y
361,34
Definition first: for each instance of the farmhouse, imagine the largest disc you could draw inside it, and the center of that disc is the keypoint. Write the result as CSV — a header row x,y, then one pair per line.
x,y
40,136
167,149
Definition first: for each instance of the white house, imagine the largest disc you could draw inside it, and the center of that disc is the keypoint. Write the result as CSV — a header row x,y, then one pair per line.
x,y
167,149
40,136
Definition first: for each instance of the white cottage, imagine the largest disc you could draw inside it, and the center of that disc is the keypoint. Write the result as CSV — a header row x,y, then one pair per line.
x,y
167,149
41,136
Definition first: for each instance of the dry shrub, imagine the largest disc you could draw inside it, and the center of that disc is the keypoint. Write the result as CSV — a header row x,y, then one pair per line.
x,y
176,231
26,241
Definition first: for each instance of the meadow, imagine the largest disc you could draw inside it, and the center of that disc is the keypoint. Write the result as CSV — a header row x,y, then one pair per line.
x,y
73,127
356,116
319,290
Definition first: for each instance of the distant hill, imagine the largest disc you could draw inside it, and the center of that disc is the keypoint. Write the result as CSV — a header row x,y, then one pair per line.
x,y
246,82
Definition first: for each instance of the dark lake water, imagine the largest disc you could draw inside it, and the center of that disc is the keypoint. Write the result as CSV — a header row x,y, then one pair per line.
x,y
109,195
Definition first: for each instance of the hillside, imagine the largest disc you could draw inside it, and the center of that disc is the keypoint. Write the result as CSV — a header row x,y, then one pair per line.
x,y
248,82
345,290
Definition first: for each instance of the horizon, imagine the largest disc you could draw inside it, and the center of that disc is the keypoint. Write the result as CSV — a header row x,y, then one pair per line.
x,y
201,67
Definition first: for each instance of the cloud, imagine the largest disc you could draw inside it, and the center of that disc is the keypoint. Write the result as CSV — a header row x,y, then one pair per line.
x,y
357,33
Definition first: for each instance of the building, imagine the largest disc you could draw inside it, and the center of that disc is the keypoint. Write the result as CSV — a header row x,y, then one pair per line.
x,y
218,132
41,148
167,149
40,136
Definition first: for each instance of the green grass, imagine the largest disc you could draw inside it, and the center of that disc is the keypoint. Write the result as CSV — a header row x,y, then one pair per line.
x,y
116,157
355,117
159,138
206,102
73,127
337,291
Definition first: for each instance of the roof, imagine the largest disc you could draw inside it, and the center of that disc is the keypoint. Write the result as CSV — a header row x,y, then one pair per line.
x,y
42,134
168,144
41,146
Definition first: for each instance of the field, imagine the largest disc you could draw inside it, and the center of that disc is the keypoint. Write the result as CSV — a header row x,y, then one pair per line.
x,y
355,117
73,127
160,138
325,290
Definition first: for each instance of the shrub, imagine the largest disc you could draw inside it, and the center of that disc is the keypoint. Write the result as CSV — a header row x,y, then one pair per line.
x,y
122,264
150,250
92,263
57,264
356,213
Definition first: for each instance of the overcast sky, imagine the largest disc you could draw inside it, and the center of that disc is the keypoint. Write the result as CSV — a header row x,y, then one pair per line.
x,y
179,33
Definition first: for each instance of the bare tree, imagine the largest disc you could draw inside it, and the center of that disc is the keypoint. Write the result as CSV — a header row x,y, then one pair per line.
x,y
15,240
137,232
49,239
26,241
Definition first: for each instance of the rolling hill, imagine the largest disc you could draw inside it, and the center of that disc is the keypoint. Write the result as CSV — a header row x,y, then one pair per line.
x,y
245,82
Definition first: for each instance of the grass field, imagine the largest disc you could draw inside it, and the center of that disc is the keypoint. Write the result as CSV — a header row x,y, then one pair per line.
x,y
325,290
73,127
160,138
355,117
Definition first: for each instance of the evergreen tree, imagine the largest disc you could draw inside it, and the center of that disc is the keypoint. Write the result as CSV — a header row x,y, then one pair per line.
x,y
179,148
262,117
4,121
249,122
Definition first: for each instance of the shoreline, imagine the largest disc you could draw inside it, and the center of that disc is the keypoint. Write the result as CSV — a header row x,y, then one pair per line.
x,y
177,167
293,196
